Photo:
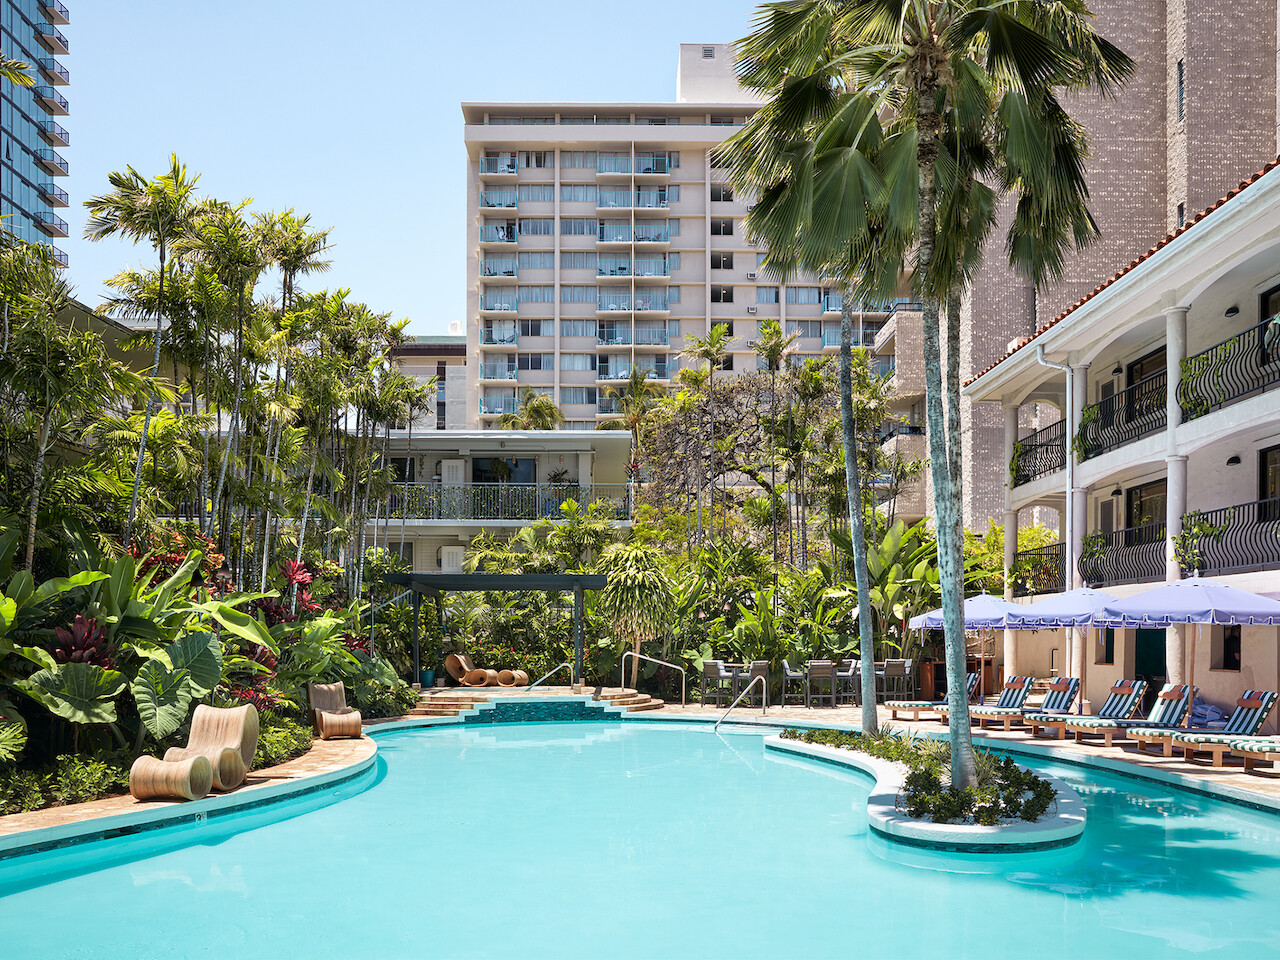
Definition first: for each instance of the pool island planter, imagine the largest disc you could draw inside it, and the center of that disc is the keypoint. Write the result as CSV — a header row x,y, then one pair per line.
x,y
1059,829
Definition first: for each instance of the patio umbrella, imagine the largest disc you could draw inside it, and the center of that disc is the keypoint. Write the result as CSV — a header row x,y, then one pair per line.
x,y
985,611
1075,608
1194,600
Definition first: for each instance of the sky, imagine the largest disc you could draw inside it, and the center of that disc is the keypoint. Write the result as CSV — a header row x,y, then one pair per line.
x,y
349,111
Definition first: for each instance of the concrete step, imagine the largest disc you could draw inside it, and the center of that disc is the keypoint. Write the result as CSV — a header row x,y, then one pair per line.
x,y
650,704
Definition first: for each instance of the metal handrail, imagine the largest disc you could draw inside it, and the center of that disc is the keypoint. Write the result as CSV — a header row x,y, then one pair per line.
x,y
747,689
396,599
622,675
553,671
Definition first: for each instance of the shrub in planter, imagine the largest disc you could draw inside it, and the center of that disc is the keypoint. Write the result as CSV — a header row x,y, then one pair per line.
x,y
280,738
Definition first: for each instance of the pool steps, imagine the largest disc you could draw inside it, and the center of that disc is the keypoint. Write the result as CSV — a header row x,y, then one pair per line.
x,y
451,701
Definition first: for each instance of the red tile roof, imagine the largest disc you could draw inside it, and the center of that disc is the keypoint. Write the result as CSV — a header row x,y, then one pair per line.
x,y
1169,238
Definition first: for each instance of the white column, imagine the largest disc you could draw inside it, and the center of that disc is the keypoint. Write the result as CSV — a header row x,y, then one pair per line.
x,y
1175,333
1079,516
1010,532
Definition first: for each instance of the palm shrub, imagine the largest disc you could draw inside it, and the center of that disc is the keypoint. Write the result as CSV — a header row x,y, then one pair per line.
x,y
637,599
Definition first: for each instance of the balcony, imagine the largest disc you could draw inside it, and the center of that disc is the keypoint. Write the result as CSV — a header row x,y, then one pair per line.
x,y
51,38
899,429
54,133
504,336
498,233
652,336
497,199
652,164
652,267
497,371
1131,555
607,406
905,305
498,166
652,200
51,224
1040,454
496,406
53,71
1230,371
613,301
613,266
1040,570
55,12
652,303
832,303
613,337
54,195
503,301
59,256
649,232
53,162
52,101
1233,539
882,366
504,501
1123,418
498,268
613,198
614,233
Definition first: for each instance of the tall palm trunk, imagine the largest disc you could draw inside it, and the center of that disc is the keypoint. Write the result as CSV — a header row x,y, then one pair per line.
x,y
37,481
233,432
857,534
409,464
306,514
146,417
946,489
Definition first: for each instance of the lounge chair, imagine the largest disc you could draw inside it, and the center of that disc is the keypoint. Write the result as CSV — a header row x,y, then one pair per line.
x,y
1121,703
1265,749
330,715
1008,709
916,707
715,673
153,779
791,676
1172,703
460,667
1246,720
225,736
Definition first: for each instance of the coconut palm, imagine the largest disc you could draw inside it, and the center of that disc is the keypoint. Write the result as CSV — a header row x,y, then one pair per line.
x,y
969,94
534,411
636,402
16,72
156,211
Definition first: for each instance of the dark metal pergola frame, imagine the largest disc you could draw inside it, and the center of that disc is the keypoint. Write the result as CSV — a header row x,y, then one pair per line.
x,y
438,584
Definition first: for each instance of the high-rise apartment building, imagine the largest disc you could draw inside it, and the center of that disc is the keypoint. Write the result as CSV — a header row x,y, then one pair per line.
x,y
30,166
602,237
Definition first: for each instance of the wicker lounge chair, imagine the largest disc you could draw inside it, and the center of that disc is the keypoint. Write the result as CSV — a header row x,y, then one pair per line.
x,y
916,707
1246,720
153,779
226,737
1121,702
1172,703
330,715
1255,749
460,667
1008,709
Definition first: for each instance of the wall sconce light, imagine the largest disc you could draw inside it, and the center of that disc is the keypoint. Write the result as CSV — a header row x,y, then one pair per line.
x,y
1117,492
1233,461
1232,310
1118,371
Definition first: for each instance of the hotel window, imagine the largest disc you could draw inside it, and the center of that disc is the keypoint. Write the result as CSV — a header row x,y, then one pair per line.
x,y
578,192
577,293
536,361
673,330
577,226
760,259
537,293
717,121
537,158
722,227
673,228
537,226
536,193
1182,91
577,260
535,260
722,261
1105,650
727,362
577,159
537,328
578,328
721,293
1144,504
804,294
673,261
673,294
578,361
578,394
766,294
721,192
1224,647
1182,214
806,328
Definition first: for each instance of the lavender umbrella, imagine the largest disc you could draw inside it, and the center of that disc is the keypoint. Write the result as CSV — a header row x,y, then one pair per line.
x,y
983,612
1076,608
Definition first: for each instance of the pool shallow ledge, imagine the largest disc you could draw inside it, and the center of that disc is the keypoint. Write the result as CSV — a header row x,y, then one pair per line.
x,y
1061,829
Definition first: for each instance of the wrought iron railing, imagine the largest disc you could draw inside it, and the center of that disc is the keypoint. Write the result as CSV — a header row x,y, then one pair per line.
x,y
1243,537
1131,555
1123,418
1040,570
504,501
1236,368
1042,453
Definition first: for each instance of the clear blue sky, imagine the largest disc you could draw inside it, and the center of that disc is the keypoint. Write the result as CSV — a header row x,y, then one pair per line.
x,y
348,111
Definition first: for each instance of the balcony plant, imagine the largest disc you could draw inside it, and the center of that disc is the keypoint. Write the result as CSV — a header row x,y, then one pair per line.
x,y
1197,531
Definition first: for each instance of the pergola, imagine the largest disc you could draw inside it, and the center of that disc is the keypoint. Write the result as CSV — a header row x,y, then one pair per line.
x,y
438,584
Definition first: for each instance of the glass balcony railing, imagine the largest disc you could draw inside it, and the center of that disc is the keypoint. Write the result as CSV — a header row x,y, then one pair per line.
x,y
652,233
53,161
56,72
652,336
52,100
498,268
613,301
54,11
497,371
652,163
498,165
652,301
54,195
651,199
498,335
54,132
52,224
613,336
498,198
608,164
59,256
499,300
497,405
615,233
52,38
653,370
613,266
498,233
612,199
652,267
832,303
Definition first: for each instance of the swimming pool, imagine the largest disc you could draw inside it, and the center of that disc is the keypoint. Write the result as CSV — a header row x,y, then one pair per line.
x,y
654,839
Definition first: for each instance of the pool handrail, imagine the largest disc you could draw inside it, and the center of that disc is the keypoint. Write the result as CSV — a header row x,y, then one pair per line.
x,y
622,673
764,701
553,670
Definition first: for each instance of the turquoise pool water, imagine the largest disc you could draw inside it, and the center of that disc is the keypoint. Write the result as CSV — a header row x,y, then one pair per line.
x,y
642,839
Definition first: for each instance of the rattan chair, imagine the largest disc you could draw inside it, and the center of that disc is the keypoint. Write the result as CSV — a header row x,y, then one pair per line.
x,y
226,737
330,715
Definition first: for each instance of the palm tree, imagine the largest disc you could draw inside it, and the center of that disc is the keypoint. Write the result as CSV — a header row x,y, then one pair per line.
x,y
16,72
638,597
710,350
158,211
534,411
969,95
771,347
636,403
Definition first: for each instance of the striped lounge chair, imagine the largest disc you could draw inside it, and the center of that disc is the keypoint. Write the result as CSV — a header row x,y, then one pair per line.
x,y
1121,703
1008,708
1245,721
1172,704
916,707
1266,749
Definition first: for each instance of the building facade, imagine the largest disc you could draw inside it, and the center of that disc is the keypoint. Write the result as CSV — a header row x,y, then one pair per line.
x,y
31,123
445,359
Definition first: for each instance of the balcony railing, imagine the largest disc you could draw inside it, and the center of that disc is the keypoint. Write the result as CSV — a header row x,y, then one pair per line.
x,y
499,301
1040,570
889,431
652,267
652,163
652,199
52,100
55,133
497,335
883,367
52,38
53,162
498,405
1232,370
56,72
646,233
498,268
607,405
653,337
54,195
656,302
504,501
497,165
497,371
613,199
613,336
1040,454
498,233
54,11
1123,418
1243,537
51,224
906,305
497,198
1131,555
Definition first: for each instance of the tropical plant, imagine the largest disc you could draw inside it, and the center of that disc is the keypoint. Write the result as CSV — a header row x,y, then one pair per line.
x,y
534,410
637,599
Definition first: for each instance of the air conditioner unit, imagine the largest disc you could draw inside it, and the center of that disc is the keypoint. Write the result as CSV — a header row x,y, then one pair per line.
x,y
752,309
751,274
